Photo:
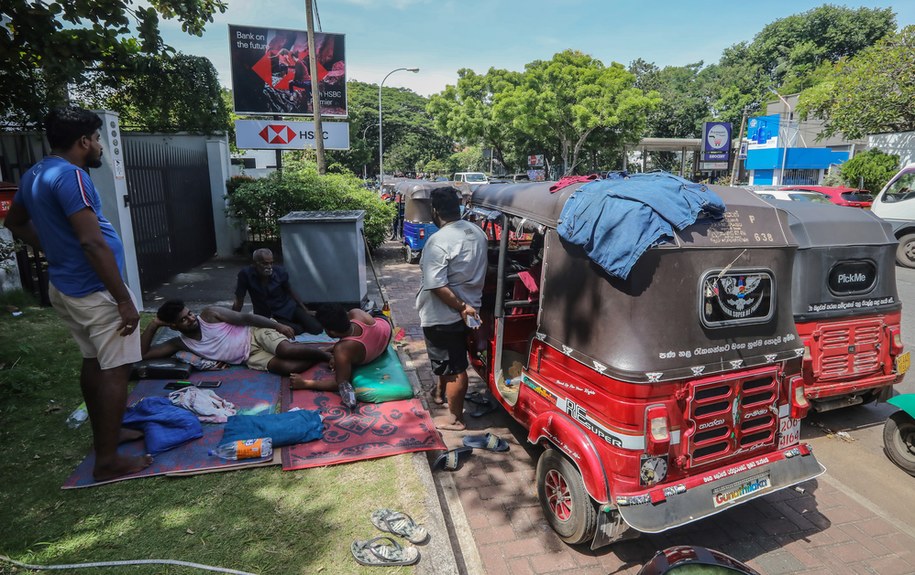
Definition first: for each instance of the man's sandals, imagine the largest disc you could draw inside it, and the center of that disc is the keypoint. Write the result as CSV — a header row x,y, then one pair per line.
x,y
384,550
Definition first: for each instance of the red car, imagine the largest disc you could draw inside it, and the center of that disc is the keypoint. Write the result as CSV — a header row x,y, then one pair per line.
x,y
840,195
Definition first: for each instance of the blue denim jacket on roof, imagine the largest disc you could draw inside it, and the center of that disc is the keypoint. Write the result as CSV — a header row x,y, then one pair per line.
x,y
616,220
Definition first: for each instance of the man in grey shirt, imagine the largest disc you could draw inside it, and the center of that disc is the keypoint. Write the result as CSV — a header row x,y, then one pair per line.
x,y
453,265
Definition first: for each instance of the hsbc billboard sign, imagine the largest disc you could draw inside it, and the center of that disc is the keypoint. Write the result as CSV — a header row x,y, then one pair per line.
x,y
282,135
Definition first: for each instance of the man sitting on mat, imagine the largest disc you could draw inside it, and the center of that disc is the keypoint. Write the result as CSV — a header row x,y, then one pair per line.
x,y
363,338
221,334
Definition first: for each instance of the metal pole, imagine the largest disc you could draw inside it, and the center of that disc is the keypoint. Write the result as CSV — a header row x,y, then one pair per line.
x,y
781,177
380,141
315,89
734,168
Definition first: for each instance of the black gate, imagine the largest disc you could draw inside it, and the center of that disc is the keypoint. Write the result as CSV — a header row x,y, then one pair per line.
x,y
170,205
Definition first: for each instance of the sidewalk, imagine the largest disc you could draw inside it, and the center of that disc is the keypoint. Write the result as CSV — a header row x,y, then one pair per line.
x,y
498,528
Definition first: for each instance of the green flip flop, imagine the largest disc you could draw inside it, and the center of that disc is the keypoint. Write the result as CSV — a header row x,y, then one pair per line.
x,y
400,524
383,551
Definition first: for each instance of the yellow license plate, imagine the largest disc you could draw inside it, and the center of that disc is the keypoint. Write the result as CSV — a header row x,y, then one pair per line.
x,y
903,362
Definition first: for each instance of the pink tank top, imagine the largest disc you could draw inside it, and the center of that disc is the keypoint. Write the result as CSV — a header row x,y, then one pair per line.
x,y
221,342
374,338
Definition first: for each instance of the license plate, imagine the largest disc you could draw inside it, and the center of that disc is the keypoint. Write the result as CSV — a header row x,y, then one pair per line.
x,y
739,490
903,362
789,432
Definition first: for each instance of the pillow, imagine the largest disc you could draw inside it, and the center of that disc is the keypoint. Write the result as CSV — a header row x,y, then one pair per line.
x,y
382,380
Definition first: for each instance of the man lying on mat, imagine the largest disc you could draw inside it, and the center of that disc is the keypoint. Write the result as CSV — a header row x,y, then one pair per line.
x,y
363,339
221,334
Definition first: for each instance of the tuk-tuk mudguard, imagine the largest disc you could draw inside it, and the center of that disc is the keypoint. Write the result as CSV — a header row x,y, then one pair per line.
x,y
667,506
559,429
905,402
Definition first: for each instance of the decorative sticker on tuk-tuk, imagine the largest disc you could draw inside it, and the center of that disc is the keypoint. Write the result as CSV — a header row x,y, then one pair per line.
x,y
852,277
850,305
736,298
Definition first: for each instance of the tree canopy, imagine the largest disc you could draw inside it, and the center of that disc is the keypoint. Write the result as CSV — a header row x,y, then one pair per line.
x,y
870,93
45,47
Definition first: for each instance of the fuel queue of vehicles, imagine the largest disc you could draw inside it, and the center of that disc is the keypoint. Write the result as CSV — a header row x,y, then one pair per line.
x,y
845,304
663,393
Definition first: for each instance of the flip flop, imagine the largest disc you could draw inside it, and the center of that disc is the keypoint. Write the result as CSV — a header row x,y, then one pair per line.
x,y
477,397
484,409
452,460
383,551
488,442
400,524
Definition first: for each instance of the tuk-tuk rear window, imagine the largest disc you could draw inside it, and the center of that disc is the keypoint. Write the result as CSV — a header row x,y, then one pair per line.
x,y
852,277
737,297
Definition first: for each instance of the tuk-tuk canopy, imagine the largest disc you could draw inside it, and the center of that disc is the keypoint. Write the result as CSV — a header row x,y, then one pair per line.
x,y
415,195
846,261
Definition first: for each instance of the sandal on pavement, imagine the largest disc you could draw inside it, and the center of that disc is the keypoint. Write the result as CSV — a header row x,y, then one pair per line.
x,y
383,551
489,442
399,523
477,397
451,460
488,407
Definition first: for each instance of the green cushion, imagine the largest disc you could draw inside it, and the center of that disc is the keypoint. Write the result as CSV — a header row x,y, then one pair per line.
x,y
382,380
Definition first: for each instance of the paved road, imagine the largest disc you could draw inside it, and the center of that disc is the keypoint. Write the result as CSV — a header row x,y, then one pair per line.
x,y
857,518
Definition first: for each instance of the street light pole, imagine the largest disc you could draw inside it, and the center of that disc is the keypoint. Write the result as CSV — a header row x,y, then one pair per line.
x,y
380,141
781,177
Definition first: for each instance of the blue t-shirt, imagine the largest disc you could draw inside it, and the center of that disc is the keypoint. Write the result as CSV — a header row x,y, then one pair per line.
x,y
270,300
52,190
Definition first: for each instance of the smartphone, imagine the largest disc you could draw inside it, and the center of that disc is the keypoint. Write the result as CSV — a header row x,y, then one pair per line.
x,y
178,385
209,384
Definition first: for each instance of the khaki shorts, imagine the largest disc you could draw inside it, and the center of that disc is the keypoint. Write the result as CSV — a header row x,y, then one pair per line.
x,y
93,320
264,342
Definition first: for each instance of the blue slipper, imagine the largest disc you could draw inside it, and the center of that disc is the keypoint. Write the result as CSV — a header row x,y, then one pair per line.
x,y
451,460
489,442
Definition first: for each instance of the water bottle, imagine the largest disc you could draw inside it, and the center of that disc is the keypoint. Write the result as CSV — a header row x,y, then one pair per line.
x,y
245,449
78,417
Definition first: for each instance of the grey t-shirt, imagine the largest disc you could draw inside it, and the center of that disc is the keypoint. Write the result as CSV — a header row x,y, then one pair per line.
x,y
454,256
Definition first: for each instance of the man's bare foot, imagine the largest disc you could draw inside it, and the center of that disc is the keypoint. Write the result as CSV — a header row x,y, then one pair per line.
x,y
296,381
122,466
127,434
451,426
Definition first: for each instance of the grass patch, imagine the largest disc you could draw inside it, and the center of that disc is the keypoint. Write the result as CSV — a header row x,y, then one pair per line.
x,y
260,520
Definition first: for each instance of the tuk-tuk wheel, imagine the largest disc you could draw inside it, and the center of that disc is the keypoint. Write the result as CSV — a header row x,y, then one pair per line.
x,y
899,441
905,251
569,509
411,256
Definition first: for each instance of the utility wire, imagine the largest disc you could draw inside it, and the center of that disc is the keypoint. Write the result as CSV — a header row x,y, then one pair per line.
x,y
120,563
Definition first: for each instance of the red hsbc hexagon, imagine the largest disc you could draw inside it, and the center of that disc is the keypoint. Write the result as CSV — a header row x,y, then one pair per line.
x,y
277,134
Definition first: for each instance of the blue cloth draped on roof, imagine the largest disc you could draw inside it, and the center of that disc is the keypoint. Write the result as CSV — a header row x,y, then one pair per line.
x,y
616,220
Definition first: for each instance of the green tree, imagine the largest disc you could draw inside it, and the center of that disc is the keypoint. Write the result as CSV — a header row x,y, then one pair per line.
x,y
561,102
167,93
873,168
870,93
47,46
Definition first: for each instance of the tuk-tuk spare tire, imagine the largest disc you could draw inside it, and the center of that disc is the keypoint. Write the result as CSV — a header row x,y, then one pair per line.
x,y
566,504
905,251
899,441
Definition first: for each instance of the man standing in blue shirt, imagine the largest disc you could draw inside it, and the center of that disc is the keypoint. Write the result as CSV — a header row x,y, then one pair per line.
x,y
58,211
271,294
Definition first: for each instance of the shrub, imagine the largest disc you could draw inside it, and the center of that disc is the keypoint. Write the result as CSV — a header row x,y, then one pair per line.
x,y
873,166
258,204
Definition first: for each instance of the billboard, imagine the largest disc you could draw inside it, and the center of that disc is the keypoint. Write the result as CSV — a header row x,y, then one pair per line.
x,y
284,135
762,132
270,72
716,142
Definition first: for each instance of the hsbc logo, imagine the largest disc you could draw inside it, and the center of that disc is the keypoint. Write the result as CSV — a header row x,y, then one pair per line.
x,y
277,134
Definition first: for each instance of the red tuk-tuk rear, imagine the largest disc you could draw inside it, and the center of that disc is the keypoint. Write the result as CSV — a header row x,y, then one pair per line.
x,y
662,398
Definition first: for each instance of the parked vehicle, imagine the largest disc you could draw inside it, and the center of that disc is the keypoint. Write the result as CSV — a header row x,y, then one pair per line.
x,y
416,207
794,196
899,433
845,304
694,560
660,399
839,195
470,177
896,204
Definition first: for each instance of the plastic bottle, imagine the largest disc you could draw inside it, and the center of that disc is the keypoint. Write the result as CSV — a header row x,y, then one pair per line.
x,y
78,417
245,449
386,310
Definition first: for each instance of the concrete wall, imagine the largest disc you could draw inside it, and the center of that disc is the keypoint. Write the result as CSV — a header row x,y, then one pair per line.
x,y
902,144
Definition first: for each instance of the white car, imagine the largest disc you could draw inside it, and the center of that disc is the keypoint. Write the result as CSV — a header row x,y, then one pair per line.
x,y
470,177
793,195
896,204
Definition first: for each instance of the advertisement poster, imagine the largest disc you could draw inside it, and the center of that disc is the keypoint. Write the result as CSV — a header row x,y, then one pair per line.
x,y
286,135
716,146
762,132
270,71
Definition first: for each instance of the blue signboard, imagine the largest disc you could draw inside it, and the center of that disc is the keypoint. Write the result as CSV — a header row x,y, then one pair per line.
x,y
762,132
716,142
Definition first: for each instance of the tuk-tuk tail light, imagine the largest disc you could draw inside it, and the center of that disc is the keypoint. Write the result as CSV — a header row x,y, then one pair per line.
x,y
799,404
422,233
895,341
658,424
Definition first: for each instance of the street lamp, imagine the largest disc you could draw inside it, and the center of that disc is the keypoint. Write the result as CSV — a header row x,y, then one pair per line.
x,y
365,175
380,141
781,178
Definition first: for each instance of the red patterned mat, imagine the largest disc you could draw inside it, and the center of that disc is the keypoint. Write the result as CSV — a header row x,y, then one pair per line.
x,y
372,430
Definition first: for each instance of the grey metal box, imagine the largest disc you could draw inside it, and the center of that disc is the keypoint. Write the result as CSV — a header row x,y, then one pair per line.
x,y
324,253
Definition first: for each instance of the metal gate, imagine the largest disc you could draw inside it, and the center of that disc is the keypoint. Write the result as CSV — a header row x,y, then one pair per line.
x,y
168,184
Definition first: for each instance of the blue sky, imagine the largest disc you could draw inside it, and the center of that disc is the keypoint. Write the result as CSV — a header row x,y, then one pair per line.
x,y
442,36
